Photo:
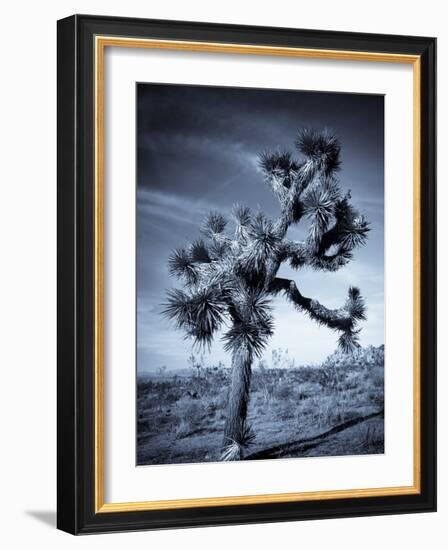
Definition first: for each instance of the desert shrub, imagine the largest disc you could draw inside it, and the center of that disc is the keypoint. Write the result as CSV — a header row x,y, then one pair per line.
x,y
330,376
377,377
280,359
263,381
193,413
284,411
183,428
219,401
301,413
217,373
171,396
352,380
376,398
309,374
322,414
144,387
360,358
283,392
307,389
329,411
188,416
343,413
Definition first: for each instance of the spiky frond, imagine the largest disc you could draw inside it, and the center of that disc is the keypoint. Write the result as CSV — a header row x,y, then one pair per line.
x,y
332,262
220,276
322,149
178,308
333,249
242,216
232,452
298,260
343,210
252,304
182,265
214,224
264,242
236,447
279,165
207,314
252,336
296,252
218,249
354,233
199,313
281,173
355,304
348,341
319,206
199,252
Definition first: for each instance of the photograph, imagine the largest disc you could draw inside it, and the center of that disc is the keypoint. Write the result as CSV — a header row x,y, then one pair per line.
x,y
260,274
246,273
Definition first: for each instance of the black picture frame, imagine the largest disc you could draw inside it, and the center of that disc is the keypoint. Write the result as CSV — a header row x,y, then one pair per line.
x,y
76,286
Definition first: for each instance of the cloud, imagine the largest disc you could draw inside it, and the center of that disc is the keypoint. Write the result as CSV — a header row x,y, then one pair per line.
x,y
170,206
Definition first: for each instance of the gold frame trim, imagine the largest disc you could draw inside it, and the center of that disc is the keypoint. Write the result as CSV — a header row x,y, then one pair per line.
x,y
101,42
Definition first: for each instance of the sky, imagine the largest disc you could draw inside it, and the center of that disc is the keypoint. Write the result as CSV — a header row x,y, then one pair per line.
x,y
197,150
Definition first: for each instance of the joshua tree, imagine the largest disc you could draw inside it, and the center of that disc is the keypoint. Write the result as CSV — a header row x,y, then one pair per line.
x,y
162,370
230,277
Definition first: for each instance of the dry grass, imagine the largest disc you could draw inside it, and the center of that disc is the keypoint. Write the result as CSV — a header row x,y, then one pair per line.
x,y
181,417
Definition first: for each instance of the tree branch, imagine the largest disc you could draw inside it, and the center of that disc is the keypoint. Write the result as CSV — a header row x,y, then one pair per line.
x,y
343,319
301,253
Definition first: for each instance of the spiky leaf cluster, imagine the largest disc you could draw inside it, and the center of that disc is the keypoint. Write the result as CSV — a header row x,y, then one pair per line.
x,y
319,206
262,244
199,313
226,280
236,447
253,323
321,149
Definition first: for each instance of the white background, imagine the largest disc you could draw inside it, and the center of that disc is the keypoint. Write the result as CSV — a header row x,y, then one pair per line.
x,y
28,274
123,481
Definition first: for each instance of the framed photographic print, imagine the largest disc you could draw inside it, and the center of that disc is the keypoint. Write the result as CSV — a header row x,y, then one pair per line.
x,y
246,274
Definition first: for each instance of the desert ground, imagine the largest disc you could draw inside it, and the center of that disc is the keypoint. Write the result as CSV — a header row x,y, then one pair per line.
x,y
332,409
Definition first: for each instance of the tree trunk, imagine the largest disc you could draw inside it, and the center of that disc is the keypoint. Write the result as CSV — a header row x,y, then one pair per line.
x,y
235,430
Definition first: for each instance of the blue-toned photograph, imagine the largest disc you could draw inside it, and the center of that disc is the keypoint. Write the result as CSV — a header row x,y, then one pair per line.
x,y
260,274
